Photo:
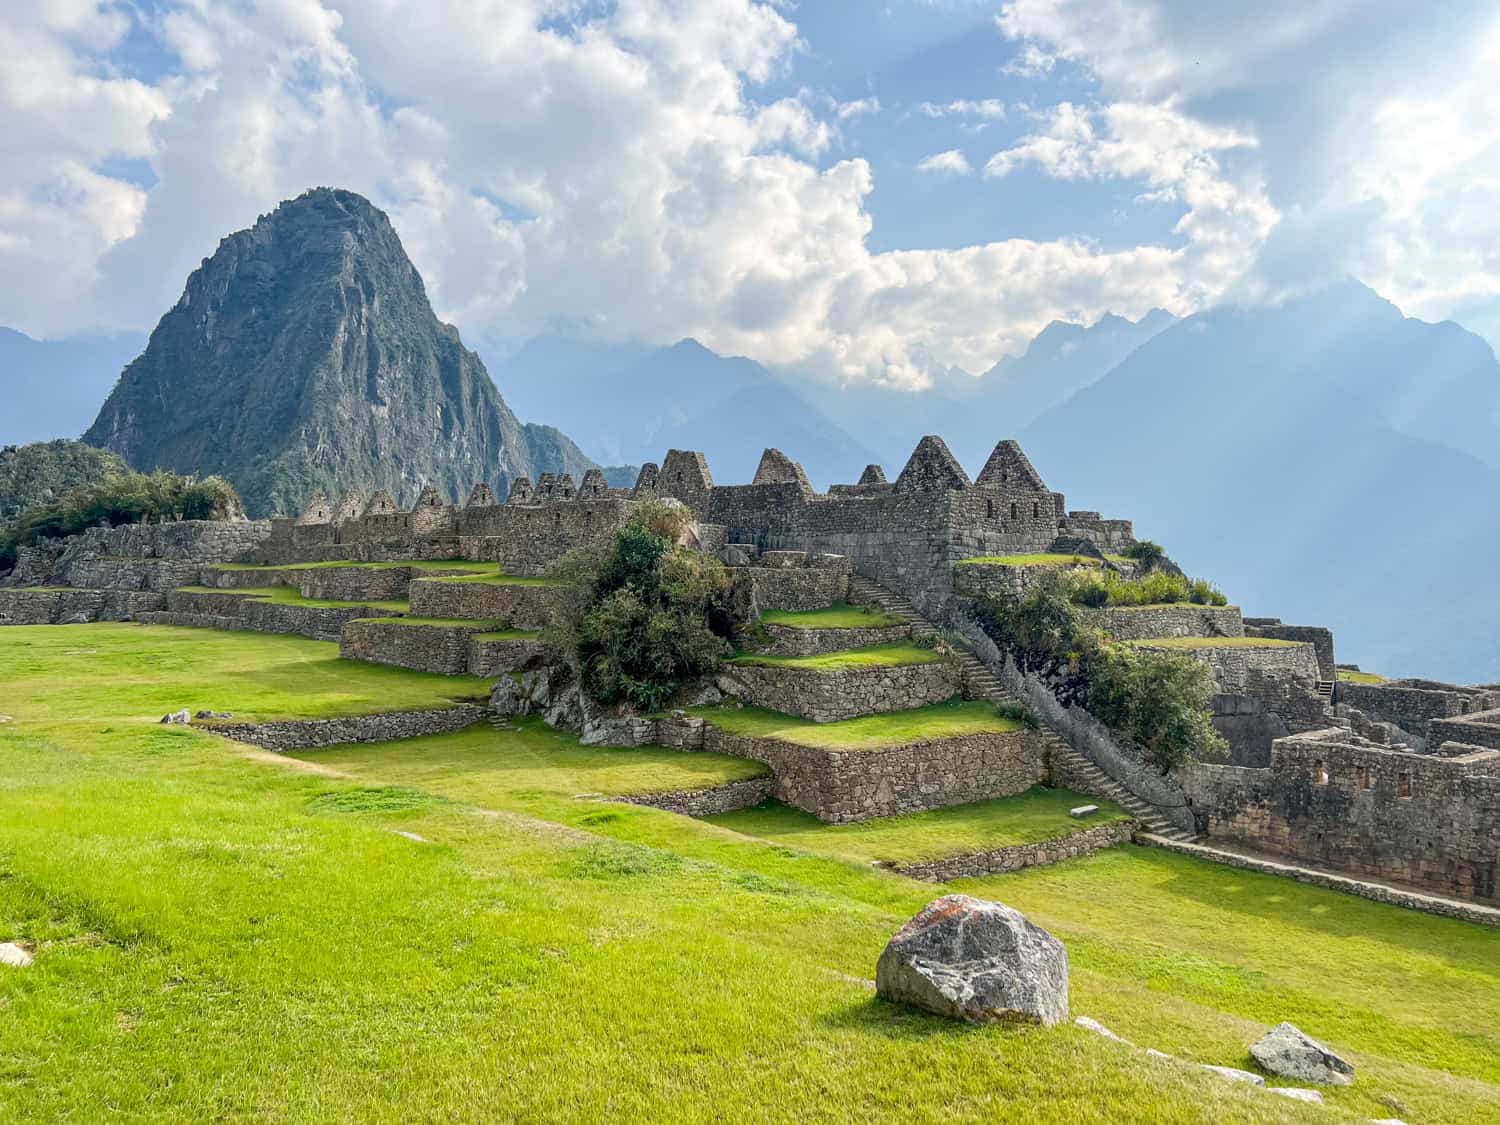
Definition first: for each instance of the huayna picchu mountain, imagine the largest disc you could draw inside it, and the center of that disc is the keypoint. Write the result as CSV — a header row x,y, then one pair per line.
x,y
304,357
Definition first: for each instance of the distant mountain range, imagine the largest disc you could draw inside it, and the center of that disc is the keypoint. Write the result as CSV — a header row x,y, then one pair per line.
x,y
53,388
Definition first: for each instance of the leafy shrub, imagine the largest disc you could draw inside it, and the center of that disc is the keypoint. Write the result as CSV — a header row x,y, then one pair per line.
x,y
1017,712
1203,592
1159,587
122,499
1146,553
642,613
1159,701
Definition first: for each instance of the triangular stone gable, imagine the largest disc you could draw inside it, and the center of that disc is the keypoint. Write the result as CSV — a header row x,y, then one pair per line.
x,y
932,468
1008,465
521,491
381,504
317,511
777,468
564,489
593,485
546,486
873,474
429,498
687,468
481,497
351,507
647,480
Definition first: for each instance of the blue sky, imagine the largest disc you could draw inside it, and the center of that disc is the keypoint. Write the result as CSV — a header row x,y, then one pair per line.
x,y
862,191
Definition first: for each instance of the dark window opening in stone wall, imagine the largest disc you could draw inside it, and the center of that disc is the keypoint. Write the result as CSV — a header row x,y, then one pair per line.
x,y
989,509
1321,771
1362,777
1015,513
1036,511
1403,785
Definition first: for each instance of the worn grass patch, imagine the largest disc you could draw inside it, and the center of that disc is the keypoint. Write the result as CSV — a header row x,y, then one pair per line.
x,y
1349,676
1043,559
872,656
870,732
840,615
1031,817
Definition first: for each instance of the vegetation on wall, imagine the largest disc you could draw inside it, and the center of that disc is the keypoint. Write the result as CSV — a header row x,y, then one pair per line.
x,y
644,614
1157,700
124,498
1158,587
40,473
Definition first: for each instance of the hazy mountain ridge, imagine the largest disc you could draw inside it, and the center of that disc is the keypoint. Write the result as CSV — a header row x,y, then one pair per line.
x,y
304,356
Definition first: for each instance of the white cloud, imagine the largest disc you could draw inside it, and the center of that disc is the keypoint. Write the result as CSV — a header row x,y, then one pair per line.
x,y
1030,62
989,109
950,163
858,108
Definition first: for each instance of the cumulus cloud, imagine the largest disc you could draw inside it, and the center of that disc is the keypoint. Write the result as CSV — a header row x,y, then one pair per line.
x,y
616,167
950,163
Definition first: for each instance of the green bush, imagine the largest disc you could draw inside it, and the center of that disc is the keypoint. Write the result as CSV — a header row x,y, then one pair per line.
x,y
123,499
1158,587
644,614
1159,701
1148,554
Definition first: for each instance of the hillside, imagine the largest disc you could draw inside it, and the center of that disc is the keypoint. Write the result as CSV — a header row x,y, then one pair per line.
x,y
631,403
1318,459
41,472
304,356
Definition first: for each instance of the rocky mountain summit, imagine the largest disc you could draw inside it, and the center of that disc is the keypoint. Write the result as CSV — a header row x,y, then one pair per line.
x,y
304,357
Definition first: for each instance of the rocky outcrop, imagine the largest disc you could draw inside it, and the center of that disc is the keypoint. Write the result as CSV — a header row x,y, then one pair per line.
x,y
304,357
1286,1051
974,960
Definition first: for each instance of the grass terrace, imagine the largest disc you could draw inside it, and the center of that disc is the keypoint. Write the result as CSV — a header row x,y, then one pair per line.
x,y
288,595
870,732
494,579
840,615
1031,817
223,934
510,635
1030,560
413,564
486,626
1351,676
1214,642
872,656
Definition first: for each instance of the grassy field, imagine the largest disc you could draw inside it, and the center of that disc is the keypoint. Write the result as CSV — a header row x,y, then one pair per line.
x,y
289,595
1214,642
869,732
1040,814
872,656
223,934
1030,560
1350,676
840,615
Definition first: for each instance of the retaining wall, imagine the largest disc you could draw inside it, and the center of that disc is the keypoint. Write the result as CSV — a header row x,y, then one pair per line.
x,y
828,696
729,797
523,606
311,734
795,590
443,649
494,657
788,640
1018,856
22,606
1137,623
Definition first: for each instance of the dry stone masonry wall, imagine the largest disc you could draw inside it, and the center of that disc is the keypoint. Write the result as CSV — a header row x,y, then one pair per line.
x,y
832,695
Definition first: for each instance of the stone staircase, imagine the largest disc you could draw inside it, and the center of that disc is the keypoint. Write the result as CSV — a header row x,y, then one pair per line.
x,y
1083,775
1325,692
979,681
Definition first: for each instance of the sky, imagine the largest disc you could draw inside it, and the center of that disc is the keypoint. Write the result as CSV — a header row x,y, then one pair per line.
x,y
876,191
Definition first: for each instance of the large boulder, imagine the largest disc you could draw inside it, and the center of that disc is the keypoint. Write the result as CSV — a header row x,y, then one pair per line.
x,y
1284,1050
974,960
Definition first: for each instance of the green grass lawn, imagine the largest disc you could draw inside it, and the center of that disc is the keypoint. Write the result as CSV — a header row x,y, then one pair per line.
x,y
510,635
1036,815
870,732
1043,559
1349,676
840,615
223,934
872,656
1214,642
289,595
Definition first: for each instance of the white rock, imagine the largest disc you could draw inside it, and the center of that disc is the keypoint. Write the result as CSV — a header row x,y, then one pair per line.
x,y
1286,1051
413,837
16,956
178,718
1236,1075
1297,1094
1098,1028
1083,811
1155,1054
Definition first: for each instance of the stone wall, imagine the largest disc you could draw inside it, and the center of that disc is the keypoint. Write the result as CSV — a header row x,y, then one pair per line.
x,y
48,606
795,590
839,786
1417,819
1410,706
729,797
1244,670
1138,623
355,583
1110,536
1321,639
788,640
1482,728
443,649
491,657
526,538
1018,856
286,735
53,562
979,580
828,696
523,606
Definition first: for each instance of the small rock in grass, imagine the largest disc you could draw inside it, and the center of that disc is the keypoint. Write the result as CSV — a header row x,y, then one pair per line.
x,y
412,836
1297,1094
1284,1050
981,961
1386,1121
1083,811
15,955
177,718
1098,1028
1155,1054
213,715
1236,1075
